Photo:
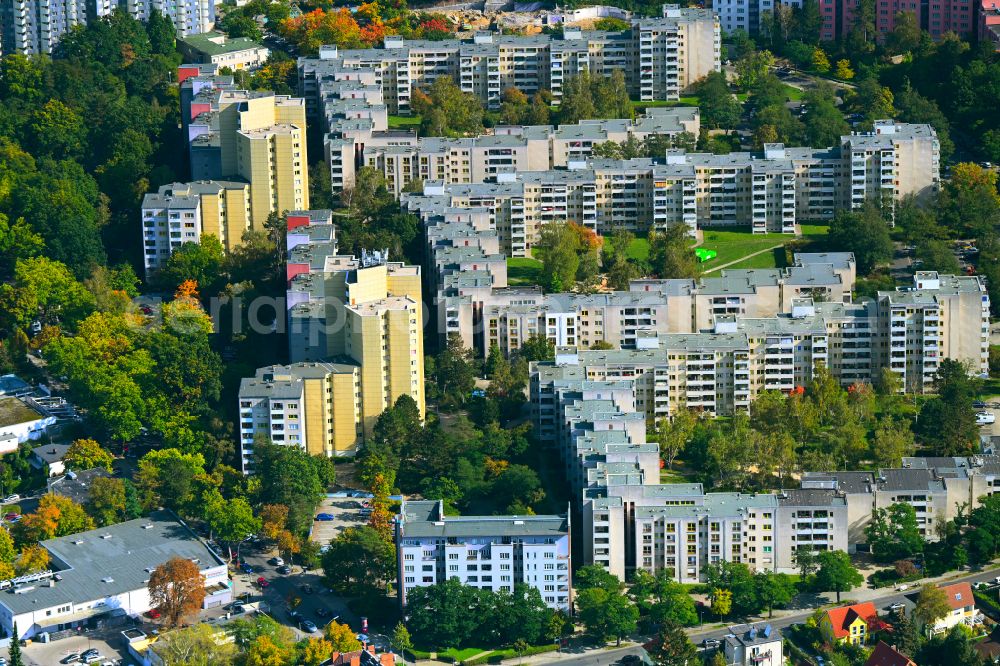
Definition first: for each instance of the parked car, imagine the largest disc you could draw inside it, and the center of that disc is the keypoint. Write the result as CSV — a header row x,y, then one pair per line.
x,y
276,561
71,658
323,612
152,614
10,499
90,659
262,582
985,418
246,568
308,626
12,517
711,643
284,570
306,589
897,607
324,516
979,404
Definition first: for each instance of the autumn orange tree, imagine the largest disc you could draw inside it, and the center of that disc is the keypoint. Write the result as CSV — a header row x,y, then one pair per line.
x,y
316,28
55,516
177,589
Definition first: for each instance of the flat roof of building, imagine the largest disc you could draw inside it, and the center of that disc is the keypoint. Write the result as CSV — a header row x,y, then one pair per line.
x,y
109,561
422,518
216,43
14,411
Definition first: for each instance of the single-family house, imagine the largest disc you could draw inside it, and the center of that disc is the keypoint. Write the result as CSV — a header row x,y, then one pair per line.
x,y
963,608
886,655
753,645
848,624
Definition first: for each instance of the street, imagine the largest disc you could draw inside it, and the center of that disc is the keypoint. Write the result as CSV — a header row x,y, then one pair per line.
x,y
282,589
881,598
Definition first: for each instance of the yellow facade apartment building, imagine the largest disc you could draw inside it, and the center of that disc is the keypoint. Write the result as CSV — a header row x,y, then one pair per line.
x,y
355,347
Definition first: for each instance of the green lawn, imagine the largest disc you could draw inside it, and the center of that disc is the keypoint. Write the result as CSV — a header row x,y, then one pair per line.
x,y
687,100
766,260
404,122
461,655
638,250
672,476
794,94
733,244
523,271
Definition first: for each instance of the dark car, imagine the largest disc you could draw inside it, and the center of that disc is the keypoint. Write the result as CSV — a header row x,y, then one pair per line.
x,y
979,404
246,568
630,659
306,589
324,516
284,570
322,612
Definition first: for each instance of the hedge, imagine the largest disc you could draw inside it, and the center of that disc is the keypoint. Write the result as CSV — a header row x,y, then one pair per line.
x,y
497,656
989,603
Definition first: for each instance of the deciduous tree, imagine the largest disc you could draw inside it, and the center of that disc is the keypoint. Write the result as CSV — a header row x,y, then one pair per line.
x,y
84,454
177,589
836,572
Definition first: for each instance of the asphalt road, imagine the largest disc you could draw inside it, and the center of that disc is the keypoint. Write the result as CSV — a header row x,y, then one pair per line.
x,y
598,657
882,602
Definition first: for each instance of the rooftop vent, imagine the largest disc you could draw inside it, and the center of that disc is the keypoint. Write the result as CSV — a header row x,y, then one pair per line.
x,y
78,542
148,527
105,536
108,579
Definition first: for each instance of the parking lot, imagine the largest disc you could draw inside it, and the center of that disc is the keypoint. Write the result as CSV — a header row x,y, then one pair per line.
x,y
109,643
346,512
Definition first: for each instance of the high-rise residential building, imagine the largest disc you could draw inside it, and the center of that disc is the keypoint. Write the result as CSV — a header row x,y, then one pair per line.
x,y
940,316
190,17
258,137
355,329
627,520
660,58
772,191
487,552
184,212
936,17
509,149
34,27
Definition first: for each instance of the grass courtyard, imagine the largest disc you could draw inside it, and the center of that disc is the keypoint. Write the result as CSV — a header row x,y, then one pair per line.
x,y
523,271
404,122
730,244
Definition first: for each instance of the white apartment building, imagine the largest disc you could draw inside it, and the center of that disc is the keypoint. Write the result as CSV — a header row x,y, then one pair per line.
x,y
770,192
33,27
512,148
487,552
181,213
940,316
660,57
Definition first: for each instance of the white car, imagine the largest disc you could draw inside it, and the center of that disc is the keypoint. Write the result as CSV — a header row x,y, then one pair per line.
x,y
10,499
985,418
